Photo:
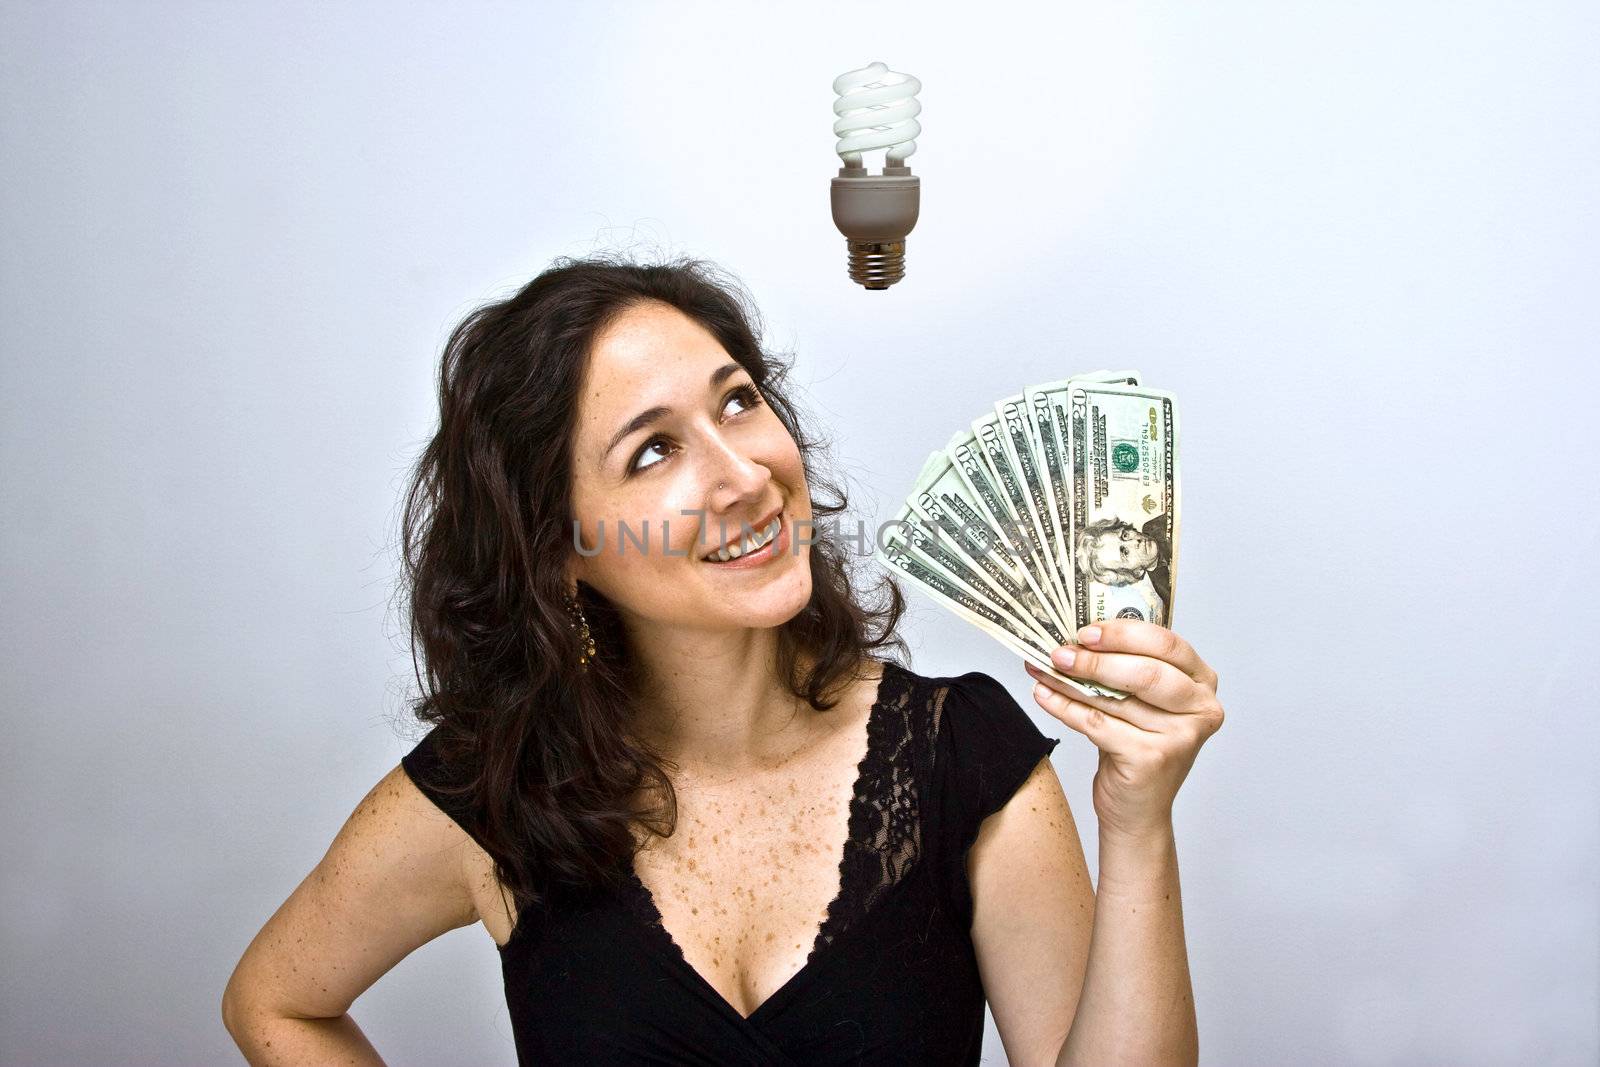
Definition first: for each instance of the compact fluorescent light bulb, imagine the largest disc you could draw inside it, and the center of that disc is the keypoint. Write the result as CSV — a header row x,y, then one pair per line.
x,y
876,108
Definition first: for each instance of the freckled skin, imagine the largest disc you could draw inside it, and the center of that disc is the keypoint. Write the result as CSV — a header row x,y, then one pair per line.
x,y
745,883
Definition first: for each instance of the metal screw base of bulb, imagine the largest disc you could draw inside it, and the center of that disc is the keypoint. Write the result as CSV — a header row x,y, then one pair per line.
x,y
876,264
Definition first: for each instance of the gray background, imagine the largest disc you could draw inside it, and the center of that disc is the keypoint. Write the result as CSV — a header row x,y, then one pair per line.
x,y
1358,240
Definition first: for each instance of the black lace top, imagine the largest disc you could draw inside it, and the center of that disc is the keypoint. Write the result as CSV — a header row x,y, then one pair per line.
x,y
891,977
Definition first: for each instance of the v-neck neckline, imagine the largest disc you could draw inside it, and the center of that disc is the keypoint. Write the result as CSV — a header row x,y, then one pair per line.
x,y
856,830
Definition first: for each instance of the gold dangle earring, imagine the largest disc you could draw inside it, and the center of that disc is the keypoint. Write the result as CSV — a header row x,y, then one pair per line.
x,y
580,624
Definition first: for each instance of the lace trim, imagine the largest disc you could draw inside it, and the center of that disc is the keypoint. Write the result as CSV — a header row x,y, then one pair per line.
x,y
885,838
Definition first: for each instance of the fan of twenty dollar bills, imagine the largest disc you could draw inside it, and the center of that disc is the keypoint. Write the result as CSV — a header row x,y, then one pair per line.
x,y
1057,509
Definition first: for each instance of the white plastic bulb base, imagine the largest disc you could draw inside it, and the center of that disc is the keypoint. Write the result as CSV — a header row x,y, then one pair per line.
x,y
875,213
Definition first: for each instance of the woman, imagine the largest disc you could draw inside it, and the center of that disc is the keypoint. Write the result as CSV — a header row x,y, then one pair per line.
x,y
702,820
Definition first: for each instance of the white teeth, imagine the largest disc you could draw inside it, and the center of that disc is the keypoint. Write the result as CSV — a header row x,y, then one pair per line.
x,y
750,544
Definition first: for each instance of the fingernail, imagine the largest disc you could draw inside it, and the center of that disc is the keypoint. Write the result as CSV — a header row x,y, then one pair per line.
x,y
1064,657
1089,634
1040,692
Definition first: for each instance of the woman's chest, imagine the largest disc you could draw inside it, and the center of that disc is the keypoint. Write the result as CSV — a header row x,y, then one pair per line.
x,y
745,882
742,885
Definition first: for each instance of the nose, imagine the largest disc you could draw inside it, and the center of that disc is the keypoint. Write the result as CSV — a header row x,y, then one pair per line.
x,y
735,478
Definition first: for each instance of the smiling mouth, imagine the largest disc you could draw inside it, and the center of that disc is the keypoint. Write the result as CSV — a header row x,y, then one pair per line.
x,y
743,547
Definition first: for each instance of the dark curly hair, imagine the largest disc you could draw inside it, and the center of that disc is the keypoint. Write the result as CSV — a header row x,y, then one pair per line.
x,y
540,750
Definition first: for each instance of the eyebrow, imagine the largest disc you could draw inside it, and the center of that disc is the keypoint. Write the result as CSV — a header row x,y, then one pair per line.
x,y
650,415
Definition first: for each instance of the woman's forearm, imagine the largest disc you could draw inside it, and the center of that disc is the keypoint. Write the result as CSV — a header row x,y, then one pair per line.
x,y
273,1040
1137,1006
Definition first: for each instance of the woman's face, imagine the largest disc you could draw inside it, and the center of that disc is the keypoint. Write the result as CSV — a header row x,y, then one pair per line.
x,y
714,458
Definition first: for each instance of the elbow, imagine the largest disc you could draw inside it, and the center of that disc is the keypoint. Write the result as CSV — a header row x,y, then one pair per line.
x,y
230,1010
234,1001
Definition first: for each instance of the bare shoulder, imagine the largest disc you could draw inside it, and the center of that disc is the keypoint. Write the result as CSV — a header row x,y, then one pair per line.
x,y
393,879
462,858
1033,914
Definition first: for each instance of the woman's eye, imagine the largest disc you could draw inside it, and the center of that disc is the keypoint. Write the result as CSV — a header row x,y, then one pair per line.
x,y
747,394
648,445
